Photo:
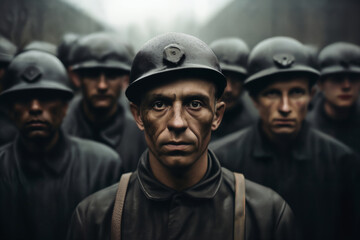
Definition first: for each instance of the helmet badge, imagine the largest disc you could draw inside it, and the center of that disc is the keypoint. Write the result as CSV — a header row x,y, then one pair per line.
x,y
173,54
31,74
284,60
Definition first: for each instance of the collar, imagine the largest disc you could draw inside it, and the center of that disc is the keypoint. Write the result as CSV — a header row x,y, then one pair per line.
x,y
155,190
300,148
53,162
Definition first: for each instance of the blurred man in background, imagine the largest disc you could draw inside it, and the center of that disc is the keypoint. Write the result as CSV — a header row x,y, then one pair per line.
x,y
7,129
44,173
232,54
314,173
337,112
100,64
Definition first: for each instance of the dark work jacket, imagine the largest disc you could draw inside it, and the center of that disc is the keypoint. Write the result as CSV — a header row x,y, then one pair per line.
x,y
318,178
38,195
346,130
120,133
8,131
242,115
205,211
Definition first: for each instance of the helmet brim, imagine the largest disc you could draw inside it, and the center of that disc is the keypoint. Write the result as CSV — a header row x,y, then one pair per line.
x,y
339,69
97,64
139,86
269,72
43,85
232,68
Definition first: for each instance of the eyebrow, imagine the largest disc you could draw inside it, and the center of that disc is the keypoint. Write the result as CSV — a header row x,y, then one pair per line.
x,y
187,97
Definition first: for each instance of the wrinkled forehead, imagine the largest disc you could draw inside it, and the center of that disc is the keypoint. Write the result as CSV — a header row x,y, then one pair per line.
x,y
182,87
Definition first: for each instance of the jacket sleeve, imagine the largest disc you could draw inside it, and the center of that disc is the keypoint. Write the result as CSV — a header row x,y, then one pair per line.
x,y
286,227
76,229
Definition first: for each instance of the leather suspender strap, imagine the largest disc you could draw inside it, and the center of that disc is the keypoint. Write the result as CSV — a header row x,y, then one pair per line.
x,y
119,206
239,215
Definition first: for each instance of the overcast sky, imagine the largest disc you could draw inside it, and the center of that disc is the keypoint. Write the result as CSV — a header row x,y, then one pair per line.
x,y
120,14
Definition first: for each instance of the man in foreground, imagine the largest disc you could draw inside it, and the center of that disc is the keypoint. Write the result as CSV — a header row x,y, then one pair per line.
x,y
313,172
179,190
44,173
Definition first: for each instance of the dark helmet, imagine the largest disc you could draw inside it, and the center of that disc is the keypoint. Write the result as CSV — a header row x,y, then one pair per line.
x,y
63,49
278,55
100,50
232,54
339,57
36,70
173,53
40,46
7,50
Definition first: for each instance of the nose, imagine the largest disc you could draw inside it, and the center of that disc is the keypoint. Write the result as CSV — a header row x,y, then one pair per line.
x,y
102,83
35,107
346,84
284,107
228,87
177,122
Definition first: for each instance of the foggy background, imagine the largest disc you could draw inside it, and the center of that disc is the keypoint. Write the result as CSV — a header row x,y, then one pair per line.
x,y
313,22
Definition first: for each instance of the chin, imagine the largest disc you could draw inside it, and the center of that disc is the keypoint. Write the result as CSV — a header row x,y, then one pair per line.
x,y
178,162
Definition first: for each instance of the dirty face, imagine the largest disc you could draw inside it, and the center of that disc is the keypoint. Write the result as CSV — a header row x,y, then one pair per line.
x,y
38,116
341,90
282,106
101,87
177,119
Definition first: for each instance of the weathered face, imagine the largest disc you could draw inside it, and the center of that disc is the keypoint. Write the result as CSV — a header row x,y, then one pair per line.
x,y
233,89
283,106
102,87
341,90
177,119
38,116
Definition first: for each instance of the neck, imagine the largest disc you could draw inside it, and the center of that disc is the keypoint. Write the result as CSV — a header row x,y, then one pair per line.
x,y
336,112
40,146
99,115
179,178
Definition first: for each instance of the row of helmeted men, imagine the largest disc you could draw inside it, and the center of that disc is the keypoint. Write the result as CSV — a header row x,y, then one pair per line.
x,y
266,132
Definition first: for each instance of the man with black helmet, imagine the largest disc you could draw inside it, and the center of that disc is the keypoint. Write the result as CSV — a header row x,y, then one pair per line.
x,y
179,190
337,112
101,65
7,52
232,54
44,173
314,173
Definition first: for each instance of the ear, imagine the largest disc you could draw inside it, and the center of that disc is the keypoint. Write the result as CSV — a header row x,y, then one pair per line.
x,y
219,113
75,79
135,110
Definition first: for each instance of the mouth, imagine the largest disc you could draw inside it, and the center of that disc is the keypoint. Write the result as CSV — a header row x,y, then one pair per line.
x,y
36,124
281,122
176,145
345,97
